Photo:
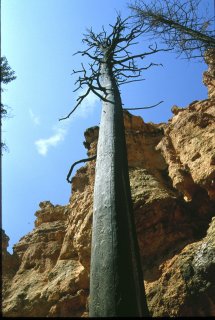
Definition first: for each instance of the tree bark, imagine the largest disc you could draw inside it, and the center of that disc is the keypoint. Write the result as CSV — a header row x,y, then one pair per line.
x,y
116,281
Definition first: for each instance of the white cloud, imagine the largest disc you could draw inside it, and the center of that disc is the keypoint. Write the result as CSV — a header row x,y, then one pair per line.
x,y
43,145
87,106
34,118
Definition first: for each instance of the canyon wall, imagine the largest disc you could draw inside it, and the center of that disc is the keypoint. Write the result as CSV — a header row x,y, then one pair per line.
x,y
172,177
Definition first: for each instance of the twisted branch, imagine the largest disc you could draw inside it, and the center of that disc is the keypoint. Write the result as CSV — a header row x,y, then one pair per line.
x,y
74,164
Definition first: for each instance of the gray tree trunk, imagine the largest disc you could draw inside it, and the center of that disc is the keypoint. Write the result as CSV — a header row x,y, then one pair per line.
x,y
116,282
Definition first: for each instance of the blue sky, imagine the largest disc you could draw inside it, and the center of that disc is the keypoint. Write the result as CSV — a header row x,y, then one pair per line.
x,y
39,38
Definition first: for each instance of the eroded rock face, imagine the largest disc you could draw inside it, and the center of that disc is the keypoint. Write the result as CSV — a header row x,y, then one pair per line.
x,y
189,149
45,284
209,75
183,285
172,173
9,263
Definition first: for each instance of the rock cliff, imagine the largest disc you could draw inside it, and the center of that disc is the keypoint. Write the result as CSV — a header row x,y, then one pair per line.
x,y
172,177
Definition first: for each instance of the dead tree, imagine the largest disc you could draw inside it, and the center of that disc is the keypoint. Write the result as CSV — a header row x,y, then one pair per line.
x,y
180,24
116,280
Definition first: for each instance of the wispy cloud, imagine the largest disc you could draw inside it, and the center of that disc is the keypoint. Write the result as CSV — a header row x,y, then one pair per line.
x,y
43,145
87,107
34,118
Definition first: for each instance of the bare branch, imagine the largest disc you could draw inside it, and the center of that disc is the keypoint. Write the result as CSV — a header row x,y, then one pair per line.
x,y
81,98
128,81
75,163
153,106
141,55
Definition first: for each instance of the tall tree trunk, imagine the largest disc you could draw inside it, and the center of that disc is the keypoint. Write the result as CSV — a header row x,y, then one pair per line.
x,y
116,282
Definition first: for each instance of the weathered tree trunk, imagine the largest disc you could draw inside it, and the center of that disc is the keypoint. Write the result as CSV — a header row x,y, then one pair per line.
x,y
116,282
